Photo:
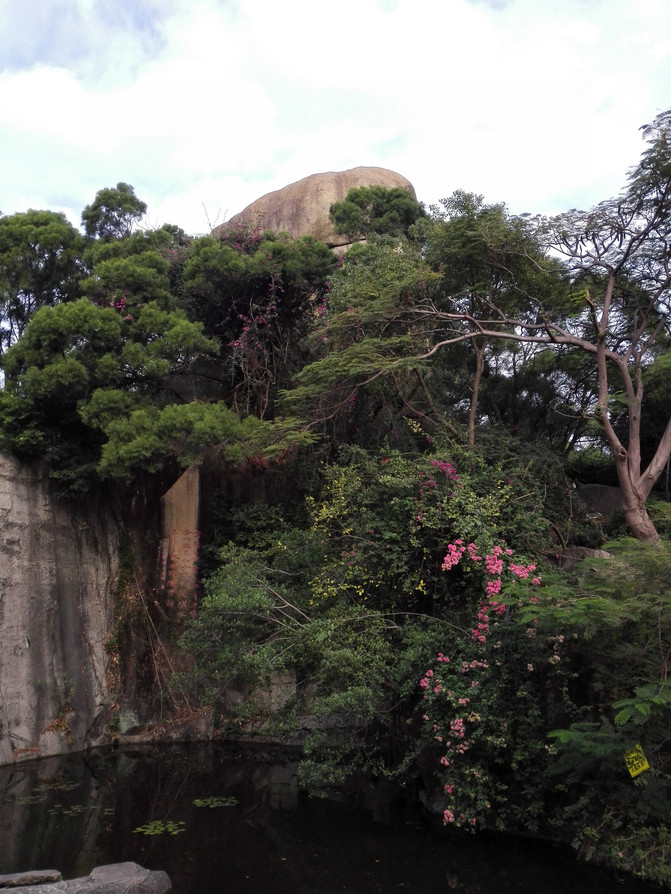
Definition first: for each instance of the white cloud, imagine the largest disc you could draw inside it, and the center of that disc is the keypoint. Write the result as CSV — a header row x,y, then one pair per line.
x,y
532,102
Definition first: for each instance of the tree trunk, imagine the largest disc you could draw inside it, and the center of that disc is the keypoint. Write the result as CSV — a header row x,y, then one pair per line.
x,y
475,394
633,502
634,499
639,523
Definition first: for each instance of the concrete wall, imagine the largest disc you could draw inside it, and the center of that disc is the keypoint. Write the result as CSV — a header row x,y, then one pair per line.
x,y
179,550
58,563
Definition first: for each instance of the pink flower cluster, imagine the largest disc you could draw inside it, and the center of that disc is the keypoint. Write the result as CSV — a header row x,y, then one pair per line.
x,y
494,566
446,468
523,571
425,682
458,731
457,728
494,562
454,553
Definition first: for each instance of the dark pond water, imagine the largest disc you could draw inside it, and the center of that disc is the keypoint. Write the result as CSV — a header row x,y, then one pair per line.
x,y
240,825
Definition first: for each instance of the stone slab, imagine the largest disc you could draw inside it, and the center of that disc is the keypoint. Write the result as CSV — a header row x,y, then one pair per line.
x,y
35,877
115,878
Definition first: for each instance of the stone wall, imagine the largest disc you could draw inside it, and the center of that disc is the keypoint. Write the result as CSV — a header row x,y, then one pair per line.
x,y
58,563
179,549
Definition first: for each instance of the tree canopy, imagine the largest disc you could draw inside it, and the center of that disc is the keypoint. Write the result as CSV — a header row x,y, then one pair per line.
x,y
40,263
113,213
129,350
370,211
495,283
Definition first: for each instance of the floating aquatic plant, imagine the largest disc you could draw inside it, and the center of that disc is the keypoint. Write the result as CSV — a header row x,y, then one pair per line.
x,y
158,827
215,802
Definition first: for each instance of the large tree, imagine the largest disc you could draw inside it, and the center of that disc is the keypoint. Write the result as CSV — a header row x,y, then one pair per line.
x,y
618,257
39,264
376,211
113,212
366,378
79,368
258,293
486,258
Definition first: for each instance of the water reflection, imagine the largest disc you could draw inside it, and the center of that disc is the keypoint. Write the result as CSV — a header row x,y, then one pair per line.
x,y
251,830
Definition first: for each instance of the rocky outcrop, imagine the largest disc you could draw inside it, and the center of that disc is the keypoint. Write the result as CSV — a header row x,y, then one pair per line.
x,y
117,878
570,556
57,568
302,208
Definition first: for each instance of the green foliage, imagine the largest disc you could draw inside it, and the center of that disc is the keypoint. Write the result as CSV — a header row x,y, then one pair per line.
x,y
391,515
616,617
257,620
39,266
641,851
216,801
618,609
441,331
352,599
588,655
492,266
80,368
145,437
122,380
365,375
356,604
257,292
161,827
244,625
129,282
376,211
656,404
487,700
482,250
660,513
113,213
248,274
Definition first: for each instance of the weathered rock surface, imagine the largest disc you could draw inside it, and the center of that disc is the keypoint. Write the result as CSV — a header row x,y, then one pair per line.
x,y
57,567
117,878
302,208
600,498
36,877
568,557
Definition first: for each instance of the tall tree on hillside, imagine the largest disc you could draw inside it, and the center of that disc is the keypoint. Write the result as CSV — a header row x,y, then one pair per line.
x,y
78,369
113,213
39,264
485,258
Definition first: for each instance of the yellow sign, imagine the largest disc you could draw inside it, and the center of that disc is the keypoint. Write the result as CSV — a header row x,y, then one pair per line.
x,y
636,761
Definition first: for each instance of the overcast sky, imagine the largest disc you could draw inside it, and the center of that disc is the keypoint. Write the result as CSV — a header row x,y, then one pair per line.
x,y
205,105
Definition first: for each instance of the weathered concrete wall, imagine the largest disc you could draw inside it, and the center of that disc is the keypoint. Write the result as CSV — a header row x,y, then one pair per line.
x,y
57,568
180,544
